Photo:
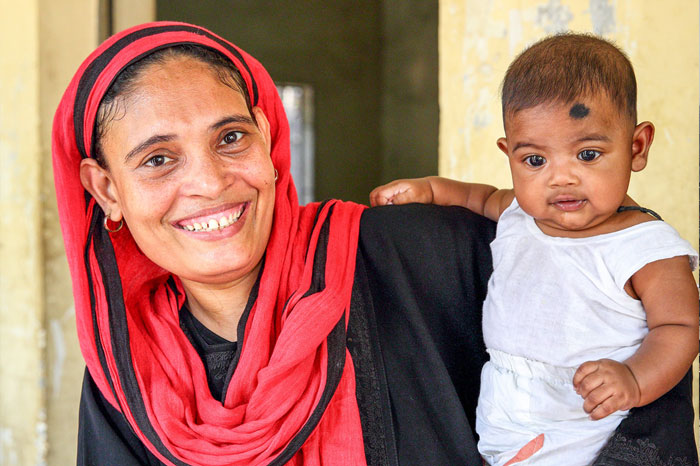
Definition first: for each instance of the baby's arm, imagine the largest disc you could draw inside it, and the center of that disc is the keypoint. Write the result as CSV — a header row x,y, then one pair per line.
x,y
669,295
480,198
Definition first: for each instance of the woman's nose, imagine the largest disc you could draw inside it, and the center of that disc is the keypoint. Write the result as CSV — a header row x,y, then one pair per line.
x,y
206,175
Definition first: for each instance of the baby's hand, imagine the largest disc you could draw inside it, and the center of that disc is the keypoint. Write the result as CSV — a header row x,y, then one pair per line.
x,y
606,386
402,192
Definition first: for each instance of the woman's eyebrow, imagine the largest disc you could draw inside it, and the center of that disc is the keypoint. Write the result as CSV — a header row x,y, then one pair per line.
x,y
155,139
232,119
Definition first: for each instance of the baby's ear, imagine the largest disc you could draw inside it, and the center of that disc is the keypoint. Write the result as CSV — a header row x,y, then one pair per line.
x,y
502,144
641,142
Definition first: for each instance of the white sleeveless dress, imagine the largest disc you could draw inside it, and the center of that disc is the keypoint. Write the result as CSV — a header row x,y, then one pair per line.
x,y
552,304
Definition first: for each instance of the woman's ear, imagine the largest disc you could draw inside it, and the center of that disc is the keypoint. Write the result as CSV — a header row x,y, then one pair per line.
x,y
263,126
641,142
98,182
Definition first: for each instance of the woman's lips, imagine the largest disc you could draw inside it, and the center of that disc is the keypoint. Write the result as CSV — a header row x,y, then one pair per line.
x,y
213,221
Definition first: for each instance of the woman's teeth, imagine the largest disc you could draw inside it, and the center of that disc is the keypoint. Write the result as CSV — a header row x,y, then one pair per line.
x,y
214,224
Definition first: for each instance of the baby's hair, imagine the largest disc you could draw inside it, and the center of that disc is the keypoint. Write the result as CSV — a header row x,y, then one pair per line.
x,y
564,67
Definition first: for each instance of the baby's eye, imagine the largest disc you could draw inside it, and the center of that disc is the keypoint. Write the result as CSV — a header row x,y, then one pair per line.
x,y
535,160
157,161
588,155
231,137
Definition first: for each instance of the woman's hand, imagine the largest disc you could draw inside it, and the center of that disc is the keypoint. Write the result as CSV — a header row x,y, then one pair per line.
x,y
606,386
402,192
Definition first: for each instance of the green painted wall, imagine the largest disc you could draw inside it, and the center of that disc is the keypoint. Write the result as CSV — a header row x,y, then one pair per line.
x,y
369,62
410,93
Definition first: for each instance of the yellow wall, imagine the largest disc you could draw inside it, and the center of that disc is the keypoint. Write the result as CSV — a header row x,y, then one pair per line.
x,y
479,38
62,47
22,432
40,365
43,43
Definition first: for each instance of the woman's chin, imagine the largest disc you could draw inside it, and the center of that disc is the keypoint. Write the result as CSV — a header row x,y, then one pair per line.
x,y
218,273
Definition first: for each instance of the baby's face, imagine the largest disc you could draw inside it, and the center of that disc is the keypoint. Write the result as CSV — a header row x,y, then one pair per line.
x,y
571,163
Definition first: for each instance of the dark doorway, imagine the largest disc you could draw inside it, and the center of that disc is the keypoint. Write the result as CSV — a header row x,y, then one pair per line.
x,y
373,68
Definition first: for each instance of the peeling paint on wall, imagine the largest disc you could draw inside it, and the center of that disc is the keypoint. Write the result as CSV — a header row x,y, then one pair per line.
x,y
602,16
515,31
59,356
59,348
41,440
8,449
554,17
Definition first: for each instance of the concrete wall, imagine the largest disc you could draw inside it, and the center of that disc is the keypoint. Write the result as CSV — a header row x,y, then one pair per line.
x,y
63,47
479,38
22,433
409,113
41,368
334,47
373,67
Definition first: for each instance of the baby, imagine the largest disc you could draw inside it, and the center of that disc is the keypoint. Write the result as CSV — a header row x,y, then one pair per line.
x,y
592,308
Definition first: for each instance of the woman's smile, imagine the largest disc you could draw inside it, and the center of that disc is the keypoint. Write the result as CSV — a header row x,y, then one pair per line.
x,y
218,220
215,227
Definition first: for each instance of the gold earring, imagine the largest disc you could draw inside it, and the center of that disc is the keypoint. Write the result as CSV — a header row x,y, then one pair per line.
x,y
276,175
106,225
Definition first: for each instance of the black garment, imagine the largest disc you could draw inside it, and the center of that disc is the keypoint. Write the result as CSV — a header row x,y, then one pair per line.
x,y
625,208
416,343
216,352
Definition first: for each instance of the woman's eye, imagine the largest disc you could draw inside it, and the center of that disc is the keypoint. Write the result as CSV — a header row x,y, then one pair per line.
x,y
157,161
588,155
231,137
535,160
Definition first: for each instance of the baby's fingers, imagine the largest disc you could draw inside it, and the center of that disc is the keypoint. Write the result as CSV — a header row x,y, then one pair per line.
x,y
407,197
585,370
383,195
596,397
603,409
402,192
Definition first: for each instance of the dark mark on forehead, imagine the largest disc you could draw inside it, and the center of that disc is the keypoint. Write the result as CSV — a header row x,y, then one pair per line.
x,y
579,111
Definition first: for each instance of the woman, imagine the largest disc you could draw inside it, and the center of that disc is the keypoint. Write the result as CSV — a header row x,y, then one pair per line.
x,y
221,322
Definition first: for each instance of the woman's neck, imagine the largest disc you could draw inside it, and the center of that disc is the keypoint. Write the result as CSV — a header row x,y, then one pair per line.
x,y
219,307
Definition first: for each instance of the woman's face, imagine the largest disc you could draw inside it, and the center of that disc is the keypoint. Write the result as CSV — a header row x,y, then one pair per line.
x,y
189,171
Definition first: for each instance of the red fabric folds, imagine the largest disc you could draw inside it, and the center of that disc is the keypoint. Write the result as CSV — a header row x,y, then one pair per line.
x,y
127,309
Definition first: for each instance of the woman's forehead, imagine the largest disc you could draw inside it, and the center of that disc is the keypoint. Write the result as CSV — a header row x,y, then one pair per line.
x,y
180,68
172,83
114,57
174,99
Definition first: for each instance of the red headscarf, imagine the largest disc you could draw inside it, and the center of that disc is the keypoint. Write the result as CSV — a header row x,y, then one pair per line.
x,y
292,396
